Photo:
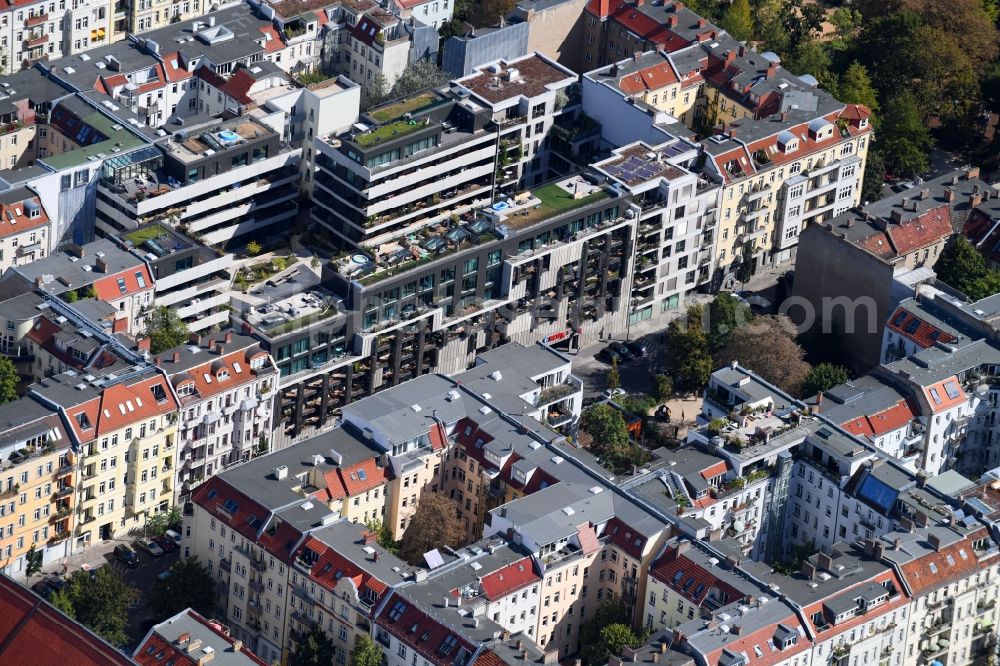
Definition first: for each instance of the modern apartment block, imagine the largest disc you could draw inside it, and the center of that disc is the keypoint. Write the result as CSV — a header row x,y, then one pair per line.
x,y
420,161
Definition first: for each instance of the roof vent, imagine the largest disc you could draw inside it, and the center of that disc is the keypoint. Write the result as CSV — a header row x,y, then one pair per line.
x,y
415,408
496,376
452,395
318,460
281,472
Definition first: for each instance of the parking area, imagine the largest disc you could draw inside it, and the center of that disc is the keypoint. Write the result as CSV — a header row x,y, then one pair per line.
x,y
637,375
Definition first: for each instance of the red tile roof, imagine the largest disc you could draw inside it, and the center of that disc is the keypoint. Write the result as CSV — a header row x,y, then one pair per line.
x,y
691,580
654,77
331,567
937,394
353,480
273,44
945,565
509,579
626,538
745,643
121,405
14,218
420,631
879,423
33,632
238,86
107,288
217,373
900,239
885,576
912,327
588,539
647,28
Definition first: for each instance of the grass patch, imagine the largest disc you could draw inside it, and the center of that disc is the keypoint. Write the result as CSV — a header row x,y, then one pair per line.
x,y
386,132
554,200
140,236
394,111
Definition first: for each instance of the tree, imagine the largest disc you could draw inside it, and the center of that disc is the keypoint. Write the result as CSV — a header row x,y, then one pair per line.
x,y
800,22
160,522
823,377
71,296
664,387
615,637
375,91
100,602
314,648
871,189
254,248
433,525
725,314
738,22
846,23
856,87
614,377
687,355
605,424
418,75
384,534
904,139
767,348
962,267
487,13
8,380
189,585
594,650
366,652
32,562
810,57
166,330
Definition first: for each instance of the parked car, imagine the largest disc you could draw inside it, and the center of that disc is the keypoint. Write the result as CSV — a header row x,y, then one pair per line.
x,y
174,536
43,589
165,543
622,350
608,354
637,347
611,394
126,556
151,547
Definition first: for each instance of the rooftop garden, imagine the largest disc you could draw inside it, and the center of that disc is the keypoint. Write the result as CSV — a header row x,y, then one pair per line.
x,y
552,201
398,109
394,130
140,236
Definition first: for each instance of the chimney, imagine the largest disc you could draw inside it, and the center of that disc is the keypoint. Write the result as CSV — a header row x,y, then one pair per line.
x,y
237,645
177,357
879,550
702,23
614,661
824,561
732,134
76,250
975,200
655,657
193,645
934,541
636,55
183,638
808,570
772,69
229,336
672,21
206,657
220,349
949,195
640,3
39,282
920,519
743,50
678,6
972,172
628,654
375,556
925,194
194,339
896,216
730,55
663,647
157,361
682,547
143,344
819,400
850,223
897,543
369,537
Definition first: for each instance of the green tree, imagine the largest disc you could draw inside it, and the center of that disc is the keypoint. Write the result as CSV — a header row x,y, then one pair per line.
x,y
871,189
188,585
8,380
384,534
725,314
314,648
594,651
771,34
846,23
904,139
418,75
614,377
366,652
615,637
856,87
800,21
687,355
254,248
99,602
166,330
962,266
810,57
433,525
768,348
664,387
605,424
823,377
738,22
71,296
375,91
32,561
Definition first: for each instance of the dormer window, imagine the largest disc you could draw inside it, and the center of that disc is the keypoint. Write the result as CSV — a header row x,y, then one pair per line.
x,y
863,123
222,374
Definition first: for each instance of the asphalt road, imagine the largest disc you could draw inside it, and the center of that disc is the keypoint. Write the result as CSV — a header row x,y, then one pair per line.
x,y
637,375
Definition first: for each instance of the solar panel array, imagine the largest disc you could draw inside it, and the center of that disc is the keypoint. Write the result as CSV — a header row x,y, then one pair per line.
x,y
634,168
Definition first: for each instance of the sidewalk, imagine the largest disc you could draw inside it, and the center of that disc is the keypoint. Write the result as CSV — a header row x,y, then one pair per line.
x,y
93,557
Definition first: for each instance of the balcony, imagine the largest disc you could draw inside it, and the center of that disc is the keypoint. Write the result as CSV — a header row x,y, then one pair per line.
x,y
226,565
36,42
63,491
258,564
37,19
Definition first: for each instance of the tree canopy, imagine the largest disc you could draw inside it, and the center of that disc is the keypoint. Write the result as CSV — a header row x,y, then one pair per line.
x,y
726,313
687,351
962,267
610,439
904,139
433,525
737,21
824,376
596,643
166,330
768,348
314,648
100,602
366,652
189,585
8,380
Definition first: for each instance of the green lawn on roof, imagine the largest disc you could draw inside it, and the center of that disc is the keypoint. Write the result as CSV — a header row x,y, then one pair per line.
x,y
554,200
388,132
393,111
140,236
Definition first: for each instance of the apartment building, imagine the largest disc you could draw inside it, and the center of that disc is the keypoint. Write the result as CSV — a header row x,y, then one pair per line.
x,y
101,271
25,228
225,385
188,636
554,264
428,12
415,163
614,29
32,32
677,218
188,180
882,242
125,428
37,480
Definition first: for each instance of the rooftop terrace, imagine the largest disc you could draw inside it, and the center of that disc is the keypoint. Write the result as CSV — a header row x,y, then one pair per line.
x,y
291,313
394,110
225,136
